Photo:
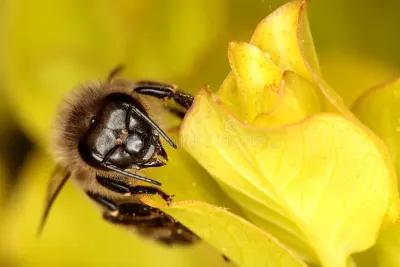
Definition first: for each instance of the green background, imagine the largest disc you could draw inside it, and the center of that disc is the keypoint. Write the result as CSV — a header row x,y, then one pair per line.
x,y
48,47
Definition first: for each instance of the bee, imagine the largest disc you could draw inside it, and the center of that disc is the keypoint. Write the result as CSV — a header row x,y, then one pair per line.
x,y
104,134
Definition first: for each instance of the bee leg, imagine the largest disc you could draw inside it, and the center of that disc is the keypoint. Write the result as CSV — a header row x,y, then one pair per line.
x,y
124,188
108,204
126,219
122,213
162,90
131,214
146,219
177,112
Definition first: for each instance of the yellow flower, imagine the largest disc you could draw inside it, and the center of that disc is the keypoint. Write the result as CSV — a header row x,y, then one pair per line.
x,y
379,109
282,144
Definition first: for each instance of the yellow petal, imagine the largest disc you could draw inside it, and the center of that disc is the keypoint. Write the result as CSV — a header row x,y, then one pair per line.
x,y
325,174
285,36
332,101
257,77
184,178
276,35
229,95
298,100
75,233
243,243
379,109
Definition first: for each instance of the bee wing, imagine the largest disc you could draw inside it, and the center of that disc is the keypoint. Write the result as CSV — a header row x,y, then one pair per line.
x,y
58,179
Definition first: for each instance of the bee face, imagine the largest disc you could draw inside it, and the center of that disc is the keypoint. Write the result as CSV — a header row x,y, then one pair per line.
x,y
119,137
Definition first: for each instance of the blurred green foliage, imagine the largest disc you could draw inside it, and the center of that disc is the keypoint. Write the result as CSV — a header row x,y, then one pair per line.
x,y
47,47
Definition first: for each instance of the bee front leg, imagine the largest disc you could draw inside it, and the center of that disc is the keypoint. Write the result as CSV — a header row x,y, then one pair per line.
x,y
125,213
106,203
163,90
124,188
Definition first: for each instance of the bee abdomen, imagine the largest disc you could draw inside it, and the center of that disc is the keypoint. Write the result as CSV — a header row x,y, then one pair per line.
x,y
147,221
161,228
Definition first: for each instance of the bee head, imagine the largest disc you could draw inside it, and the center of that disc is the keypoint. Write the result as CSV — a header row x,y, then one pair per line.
x,y
122,135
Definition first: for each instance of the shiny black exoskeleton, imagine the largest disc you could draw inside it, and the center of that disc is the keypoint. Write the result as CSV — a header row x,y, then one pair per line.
x,y
121,137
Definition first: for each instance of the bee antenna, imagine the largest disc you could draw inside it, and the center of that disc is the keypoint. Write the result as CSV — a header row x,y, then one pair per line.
x,y
114,72
131,175
154,125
